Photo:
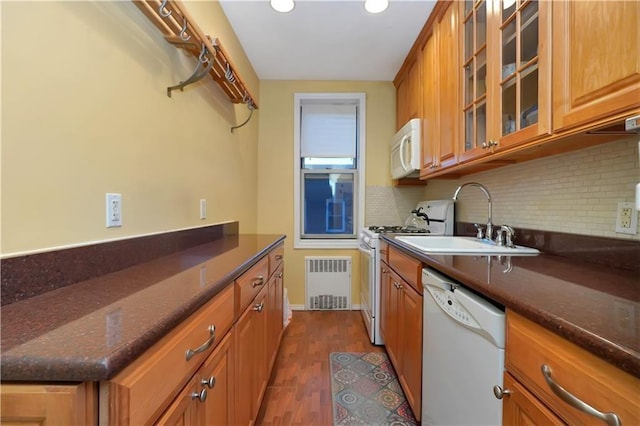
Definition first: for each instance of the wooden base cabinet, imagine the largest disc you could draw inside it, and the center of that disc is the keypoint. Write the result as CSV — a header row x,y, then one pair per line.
x,y
251,364
211,369
401,324
544,371
141,392
258,332
48,404
522,408
208,397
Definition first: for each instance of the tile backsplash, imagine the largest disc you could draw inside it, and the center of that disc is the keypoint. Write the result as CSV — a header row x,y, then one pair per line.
x,y
391,205
577,192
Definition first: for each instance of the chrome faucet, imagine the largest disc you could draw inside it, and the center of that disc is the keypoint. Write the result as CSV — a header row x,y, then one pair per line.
x,y
489,233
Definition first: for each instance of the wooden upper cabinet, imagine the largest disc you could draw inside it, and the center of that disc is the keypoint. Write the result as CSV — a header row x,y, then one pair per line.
x,y
409,93
522,90
448,83
506,74
440,94
431,116
596,60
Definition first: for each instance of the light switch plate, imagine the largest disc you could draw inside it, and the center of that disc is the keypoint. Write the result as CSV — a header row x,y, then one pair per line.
x,y
203,208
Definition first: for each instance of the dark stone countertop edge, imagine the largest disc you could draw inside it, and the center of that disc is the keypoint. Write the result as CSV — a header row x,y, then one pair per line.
x,y
33,369
605,349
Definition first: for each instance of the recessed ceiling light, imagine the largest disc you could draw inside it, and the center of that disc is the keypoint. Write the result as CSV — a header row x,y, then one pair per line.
x,y
282,5
376,6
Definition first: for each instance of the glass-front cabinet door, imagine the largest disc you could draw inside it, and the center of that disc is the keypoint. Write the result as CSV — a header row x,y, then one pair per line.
x,y
474,82
524,73
506,74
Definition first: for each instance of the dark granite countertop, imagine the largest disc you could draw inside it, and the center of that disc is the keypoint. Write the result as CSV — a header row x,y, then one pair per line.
x,y
90,330
595,307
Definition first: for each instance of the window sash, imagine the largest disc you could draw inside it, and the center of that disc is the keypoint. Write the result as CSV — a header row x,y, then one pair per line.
x,y
354,209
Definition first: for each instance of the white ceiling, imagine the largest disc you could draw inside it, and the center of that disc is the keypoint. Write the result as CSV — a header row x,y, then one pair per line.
x,y
327,40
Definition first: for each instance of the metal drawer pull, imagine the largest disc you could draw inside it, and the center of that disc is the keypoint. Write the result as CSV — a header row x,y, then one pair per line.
x,y
210,382
200,396
609,418
280,275
279,257
499,392
258,281
206,345
258,308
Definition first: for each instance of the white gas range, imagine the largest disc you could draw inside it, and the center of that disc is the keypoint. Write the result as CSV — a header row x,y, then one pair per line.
x,y
440,214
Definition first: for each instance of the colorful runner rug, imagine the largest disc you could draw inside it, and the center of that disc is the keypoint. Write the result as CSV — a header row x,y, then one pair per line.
x,y
365,391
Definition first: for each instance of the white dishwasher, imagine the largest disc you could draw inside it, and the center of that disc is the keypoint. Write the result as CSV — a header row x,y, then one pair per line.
x,y
463,355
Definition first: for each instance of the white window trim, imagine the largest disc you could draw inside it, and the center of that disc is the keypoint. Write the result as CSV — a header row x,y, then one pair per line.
x,y
324,243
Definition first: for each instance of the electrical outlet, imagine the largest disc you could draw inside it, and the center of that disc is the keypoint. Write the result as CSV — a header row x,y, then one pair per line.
x,y
114,210
203,209
627,219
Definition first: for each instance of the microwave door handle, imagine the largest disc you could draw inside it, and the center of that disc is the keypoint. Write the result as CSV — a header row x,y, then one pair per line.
x,y
402,143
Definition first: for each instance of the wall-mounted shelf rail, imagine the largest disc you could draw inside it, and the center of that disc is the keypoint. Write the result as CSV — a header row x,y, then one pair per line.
x,y
179,29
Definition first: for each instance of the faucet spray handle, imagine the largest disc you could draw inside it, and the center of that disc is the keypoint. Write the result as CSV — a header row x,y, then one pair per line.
x,y
480,233
510,234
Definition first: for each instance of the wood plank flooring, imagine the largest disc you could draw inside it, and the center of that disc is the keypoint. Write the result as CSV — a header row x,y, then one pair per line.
x,y
299,392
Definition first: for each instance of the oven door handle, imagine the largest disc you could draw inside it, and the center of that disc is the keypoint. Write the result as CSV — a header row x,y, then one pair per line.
x,y
367,250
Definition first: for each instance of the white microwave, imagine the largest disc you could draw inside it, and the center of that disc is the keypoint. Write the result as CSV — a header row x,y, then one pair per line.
x,y
405,150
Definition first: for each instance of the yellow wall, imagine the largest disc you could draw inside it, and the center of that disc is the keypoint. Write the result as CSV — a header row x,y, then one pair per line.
x,y
275,173
85,112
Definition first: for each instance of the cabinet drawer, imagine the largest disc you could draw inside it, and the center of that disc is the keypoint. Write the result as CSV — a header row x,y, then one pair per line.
x,y
587,377
276,257
138,393
250,283
407,267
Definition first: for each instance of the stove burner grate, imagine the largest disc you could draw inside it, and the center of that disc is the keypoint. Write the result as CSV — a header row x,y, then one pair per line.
x,y
398,230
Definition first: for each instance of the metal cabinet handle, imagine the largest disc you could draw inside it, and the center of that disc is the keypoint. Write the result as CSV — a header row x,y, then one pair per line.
x,y
279,257
210,382
609,418
397,285
200,396
206,345
258,308
280,275
500,393
258,281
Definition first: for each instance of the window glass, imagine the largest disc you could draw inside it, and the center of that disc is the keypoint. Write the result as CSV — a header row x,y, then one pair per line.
x,y
328,208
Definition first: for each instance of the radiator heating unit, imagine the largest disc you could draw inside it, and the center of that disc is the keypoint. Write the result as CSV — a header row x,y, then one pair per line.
x,y
328,282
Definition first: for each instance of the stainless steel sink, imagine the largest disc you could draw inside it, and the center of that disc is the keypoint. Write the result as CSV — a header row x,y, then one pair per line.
x,y
462,245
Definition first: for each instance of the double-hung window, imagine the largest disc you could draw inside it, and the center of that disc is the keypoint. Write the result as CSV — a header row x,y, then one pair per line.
x,y
329,169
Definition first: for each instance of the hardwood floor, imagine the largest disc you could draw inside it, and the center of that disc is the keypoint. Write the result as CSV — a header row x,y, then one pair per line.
x,y
299,392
